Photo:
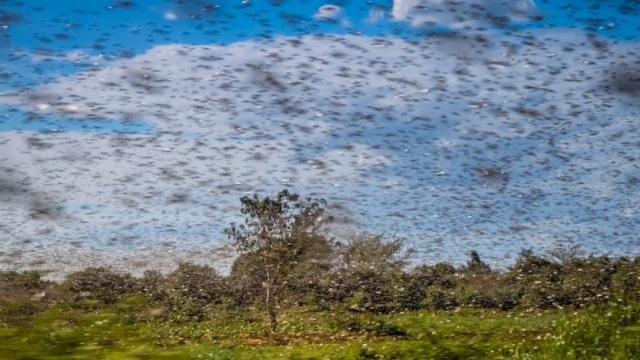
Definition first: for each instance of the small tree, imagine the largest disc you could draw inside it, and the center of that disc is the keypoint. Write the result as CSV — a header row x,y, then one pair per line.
x,y
561,253
274,234
373,252
476,265
370,271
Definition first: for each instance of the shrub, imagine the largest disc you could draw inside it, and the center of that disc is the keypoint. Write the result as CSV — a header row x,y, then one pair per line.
x,y
423,278
529,264
153,285
100,284
27,280
626,281
200,284
365,290
488,290
537,280
587,281
307,274
372,267
245,280
438,299
577,282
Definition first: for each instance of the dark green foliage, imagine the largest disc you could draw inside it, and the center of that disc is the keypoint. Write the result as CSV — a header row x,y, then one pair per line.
x,y
326,277
537,279
367,290
200,284
246,279
369,272
307,276
438,299
169,315
575,281
489,290
271,224
153,285
422,280
626,280
373,252
28,280
587,281
24,294
28,284
186,294
479,286
529,264
101,284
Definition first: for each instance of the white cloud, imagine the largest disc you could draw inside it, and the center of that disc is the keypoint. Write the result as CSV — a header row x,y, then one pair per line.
x,y
74,56
375,15
462,14
169,15
328,12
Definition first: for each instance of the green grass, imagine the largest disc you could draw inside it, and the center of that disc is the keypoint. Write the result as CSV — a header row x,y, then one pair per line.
x,y
134,329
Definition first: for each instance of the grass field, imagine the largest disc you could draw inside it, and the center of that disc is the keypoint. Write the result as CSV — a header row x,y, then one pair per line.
x,y
133,329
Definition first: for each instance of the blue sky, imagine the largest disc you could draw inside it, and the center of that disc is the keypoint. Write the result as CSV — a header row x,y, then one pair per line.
x,y
483,125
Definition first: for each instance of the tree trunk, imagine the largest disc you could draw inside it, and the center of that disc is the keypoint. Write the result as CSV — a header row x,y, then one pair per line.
x,y
271,311
273,323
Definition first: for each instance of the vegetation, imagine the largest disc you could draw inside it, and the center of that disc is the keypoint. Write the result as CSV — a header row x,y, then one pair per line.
x,y
351,299
278,234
